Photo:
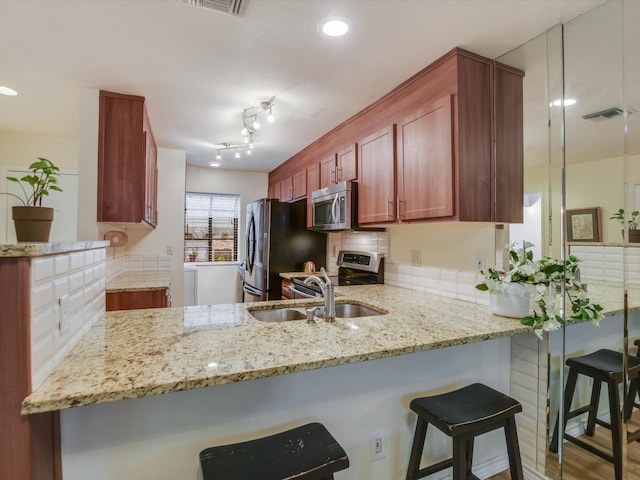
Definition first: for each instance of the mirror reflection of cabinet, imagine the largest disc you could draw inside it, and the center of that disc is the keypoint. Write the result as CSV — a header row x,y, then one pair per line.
x,y
574,163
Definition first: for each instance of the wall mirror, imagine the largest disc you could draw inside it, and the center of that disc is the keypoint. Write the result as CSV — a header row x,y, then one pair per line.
x,y
581,150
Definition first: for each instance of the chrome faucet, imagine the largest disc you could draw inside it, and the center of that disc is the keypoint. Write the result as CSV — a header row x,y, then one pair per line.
x,y
327,292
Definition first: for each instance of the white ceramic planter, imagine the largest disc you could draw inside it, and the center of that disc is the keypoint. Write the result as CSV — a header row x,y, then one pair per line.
x,y
513,300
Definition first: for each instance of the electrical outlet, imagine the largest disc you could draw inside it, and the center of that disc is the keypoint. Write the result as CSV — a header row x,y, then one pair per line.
x,y
481,262
416,258
377,445
169,249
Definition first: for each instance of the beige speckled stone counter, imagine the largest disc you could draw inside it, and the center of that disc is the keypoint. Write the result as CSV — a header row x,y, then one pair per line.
x,y
43,249
139,281
138,353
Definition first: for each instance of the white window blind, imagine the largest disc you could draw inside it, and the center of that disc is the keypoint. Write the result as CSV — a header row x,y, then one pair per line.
x,y
211,227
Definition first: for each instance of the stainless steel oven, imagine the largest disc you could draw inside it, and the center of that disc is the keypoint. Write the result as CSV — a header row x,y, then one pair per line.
x,y
360,268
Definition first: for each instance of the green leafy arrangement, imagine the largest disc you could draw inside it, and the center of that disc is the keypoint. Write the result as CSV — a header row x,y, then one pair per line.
x,y
548,275
43,178
632,221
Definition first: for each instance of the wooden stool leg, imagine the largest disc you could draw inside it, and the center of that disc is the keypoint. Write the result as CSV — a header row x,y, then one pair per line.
x,y
631,399
416,449
460,458
513,449
469,459
568,396
616,428
593,411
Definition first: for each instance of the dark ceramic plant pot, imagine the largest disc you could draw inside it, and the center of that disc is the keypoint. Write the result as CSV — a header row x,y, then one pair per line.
x,y
33,224
634,236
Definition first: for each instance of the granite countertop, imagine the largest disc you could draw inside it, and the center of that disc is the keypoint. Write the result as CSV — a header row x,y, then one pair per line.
x,y
139,353
139,281
43,249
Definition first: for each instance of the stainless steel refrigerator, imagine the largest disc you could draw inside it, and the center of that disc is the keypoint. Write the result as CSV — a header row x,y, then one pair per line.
x,y
277,240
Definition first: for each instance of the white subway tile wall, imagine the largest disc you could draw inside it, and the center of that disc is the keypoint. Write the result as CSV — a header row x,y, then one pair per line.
x,y
598,263
608,263
437,281
137,263
73,282
359,240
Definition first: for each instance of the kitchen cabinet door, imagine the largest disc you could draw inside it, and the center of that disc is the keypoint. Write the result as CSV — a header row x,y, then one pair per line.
x,y
347,164
328,171
286,189
151,175
126,161
313,183
137,299
300,184
377,177
426,163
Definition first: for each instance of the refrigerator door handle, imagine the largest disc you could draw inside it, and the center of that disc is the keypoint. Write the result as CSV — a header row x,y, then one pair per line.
x,y
251,244
252,290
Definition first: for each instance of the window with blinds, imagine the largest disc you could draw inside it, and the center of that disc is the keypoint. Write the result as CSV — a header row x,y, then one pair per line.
x,y
211,227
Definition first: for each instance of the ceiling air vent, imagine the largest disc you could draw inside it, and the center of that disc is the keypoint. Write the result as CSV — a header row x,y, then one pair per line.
x,y
235,8
608,113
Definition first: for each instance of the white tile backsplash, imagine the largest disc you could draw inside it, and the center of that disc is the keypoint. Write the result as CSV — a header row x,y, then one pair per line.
x,y
608,263
77,276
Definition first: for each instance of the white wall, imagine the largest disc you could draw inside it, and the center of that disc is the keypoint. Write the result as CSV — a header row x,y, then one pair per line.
x,y
219,283
450,245
18,150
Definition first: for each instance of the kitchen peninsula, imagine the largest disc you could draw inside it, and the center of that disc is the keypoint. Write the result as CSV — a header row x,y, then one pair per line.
x,y
377,364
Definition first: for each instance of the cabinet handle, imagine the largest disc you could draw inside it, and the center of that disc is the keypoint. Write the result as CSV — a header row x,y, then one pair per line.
x,y
400,212
389,202
338,177
333,176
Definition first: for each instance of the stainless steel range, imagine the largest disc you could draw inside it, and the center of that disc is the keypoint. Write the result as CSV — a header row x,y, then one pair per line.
x,y
354,268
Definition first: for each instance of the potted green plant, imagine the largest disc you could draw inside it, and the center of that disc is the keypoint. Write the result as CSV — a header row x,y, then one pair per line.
x,y
33,221
548,276
632,220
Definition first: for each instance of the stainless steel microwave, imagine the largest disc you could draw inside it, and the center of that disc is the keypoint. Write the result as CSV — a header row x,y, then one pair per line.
x,y
334,207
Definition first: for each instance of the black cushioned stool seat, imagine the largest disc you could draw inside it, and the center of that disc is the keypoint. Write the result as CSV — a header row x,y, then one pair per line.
x,y
464,414
603,366
308,452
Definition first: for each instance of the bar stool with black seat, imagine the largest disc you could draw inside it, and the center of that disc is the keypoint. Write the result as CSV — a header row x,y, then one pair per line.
x,y
308,452
603,366
464,414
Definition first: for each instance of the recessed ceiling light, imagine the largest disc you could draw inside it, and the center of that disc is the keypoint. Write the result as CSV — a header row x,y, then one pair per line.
x,y
214,164
335,26
7,91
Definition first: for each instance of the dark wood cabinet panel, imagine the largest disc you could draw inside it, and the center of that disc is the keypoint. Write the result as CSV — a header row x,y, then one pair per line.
x,y
137,299
300,185
425,163
347,164
313,183
127,156
377,179
486,185
30,447
328,171
509,165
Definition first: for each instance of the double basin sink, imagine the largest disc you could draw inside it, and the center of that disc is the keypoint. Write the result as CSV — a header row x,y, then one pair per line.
x,y
343,310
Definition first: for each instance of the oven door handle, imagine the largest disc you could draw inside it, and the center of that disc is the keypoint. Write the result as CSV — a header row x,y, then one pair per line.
x,y
304,294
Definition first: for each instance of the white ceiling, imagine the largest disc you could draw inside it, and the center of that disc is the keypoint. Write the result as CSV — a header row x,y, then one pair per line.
x,y
199,69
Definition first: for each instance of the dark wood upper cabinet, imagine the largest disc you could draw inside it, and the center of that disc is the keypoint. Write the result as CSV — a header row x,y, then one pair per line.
x,y
347,164
425,163
459,147
376,185
127,161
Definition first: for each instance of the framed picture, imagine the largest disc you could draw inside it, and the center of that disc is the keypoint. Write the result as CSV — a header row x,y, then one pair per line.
x,y
584,225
